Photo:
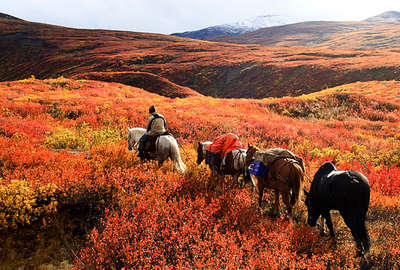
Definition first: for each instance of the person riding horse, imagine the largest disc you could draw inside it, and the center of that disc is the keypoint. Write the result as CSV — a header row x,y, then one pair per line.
x,y
156,126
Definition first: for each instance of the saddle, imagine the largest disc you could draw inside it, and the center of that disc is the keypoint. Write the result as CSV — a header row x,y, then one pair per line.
x,y
269,156
231,163
150,146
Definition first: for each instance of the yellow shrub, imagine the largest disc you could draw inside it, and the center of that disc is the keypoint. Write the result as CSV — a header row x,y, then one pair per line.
x,y
325,152
106,136
64,138
20,204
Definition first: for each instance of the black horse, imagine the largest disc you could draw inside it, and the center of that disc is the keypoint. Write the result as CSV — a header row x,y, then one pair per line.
x,y
346,191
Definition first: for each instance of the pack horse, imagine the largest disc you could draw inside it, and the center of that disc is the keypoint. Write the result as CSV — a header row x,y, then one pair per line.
x,y
277,169
225,156
345,191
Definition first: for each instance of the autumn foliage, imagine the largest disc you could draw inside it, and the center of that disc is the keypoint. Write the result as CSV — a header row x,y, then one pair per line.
x,y
65,169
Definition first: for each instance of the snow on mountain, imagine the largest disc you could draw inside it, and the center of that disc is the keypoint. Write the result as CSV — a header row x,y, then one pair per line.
x,y
256,23
386,17
237,28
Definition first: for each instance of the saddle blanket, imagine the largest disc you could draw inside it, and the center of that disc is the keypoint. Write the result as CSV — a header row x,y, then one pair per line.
x,y
225,144
238,157
270,155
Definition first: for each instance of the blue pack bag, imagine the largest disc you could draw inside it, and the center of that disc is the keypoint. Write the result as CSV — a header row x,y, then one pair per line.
x,y
258,169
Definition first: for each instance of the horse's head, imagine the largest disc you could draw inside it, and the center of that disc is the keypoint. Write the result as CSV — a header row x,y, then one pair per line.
x,y
201,151
134,135
251,150
312,209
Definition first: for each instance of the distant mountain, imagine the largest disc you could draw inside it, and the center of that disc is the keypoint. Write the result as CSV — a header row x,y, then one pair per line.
x,y
8,17
299,34
238,28
379,32
386,17
179,67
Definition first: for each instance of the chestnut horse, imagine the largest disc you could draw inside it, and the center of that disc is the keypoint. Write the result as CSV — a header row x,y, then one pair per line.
x,y
285,177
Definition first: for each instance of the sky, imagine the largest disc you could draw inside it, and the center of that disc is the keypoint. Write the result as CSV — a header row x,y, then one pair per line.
x,y
172,16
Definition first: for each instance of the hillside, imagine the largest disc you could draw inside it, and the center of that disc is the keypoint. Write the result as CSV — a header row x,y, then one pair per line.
x,y
209,68
147,81
73,195
332,35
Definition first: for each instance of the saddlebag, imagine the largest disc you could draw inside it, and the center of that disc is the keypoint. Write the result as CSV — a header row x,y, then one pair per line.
x,y
258,168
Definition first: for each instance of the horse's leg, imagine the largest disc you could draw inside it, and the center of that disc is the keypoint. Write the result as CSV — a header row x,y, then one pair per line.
x,y
236,179
221,180
352,220
160,162
322,226
275,209
254,182
329,223
260,193
356,222
286,201
364,235
212,179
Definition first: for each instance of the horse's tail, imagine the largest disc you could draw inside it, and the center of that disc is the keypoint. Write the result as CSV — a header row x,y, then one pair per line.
x,y
297,176
176,157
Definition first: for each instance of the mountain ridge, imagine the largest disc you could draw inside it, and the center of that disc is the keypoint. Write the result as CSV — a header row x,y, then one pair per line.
x,y
179,65
324,34
388,17
380,31
238,28
9,17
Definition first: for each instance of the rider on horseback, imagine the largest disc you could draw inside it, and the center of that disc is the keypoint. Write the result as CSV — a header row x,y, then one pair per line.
x,y
155,127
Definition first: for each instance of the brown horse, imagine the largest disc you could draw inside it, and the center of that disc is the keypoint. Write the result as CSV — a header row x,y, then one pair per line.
x,y
285,176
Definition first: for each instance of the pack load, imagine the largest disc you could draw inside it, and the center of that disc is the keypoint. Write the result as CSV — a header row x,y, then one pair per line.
x,y
258,168
225,144
267,157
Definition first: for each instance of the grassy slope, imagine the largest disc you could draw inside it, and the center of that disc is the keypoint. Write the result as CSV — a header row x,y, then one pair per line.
x,y
215,69
91,118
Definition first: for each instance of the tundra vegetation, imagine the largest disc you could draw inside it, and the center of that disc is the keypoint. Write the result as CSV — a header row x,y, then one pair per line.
x,y
73,196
